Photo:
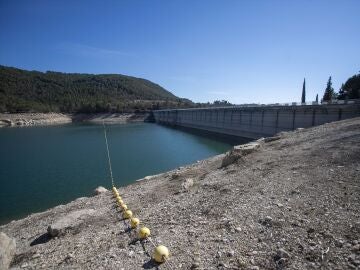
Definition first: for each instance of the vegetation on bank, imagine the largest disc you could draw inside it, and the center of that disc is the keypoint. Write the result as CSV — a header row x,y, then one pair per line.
x,y
348,90
351,88
33,91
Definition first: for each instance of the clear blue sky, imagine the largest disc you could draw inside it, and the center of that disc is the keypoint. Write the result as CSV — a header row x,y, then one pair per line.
x,y
242,51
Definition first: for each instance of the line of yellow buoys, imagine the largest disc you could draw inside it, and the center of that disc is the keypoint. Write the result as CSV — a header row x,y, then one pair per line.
x,y
161,253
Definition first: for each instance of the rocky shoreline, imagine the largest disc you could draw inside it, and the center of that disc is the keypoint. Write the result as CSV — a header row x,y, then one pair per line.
x,y
287,202
36,119
31,119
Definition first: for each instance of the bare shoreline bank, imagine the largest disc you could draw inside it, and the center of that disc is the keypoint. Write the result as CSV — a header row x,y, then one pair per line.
x,y
43,119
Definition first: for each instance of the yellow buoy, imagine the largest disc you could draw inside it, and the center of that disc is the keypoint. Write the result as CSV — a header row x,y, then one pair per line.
x,y
124,206
161,254
115,191
128,214
144,233
119,200
134,222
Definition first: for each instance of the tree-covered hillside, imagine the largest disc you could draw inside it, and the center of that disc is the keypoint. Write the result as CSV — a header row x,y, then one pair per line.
x,y
22,90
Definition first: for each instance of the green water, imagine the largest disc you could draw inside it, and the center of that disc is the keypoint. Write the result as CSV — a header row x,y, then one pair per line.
x,y
41,167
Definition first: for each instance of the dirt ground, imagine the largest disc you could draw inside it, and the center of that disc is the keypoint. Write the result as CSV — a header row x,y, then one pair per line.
x,y
292,204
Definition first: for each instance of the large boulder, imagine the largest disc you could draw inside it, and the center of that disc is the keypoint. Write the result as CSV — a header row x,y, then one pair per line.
x,y
70,221
7,250
239,151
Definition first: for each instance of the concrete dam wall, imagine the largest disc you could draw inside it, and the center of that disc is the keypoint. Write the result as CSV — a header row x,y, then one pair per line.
x,y
257,121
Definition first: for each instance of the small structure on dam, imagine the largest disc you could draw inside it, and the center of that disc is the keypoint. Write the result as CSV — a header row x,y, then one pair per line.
x,y
258,121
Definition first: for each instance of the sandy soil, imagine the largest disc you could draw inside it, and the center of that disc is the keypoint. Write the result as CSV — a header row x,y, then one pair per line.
x,y
292,204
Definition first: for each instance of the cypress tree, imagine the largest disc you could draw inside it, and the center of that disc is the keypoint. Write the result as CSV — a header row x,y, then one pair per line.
x,y
303,93
317,98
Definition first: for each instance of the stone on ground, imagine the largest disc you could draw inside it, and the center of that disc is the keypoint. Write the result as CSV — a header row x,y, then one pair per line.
x,y
187,184
7,250
239,151
100,190
70,221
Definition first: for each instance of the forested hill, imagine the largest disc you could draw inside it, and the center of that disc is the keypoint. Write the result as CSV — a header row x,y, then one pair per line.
x,y
22,90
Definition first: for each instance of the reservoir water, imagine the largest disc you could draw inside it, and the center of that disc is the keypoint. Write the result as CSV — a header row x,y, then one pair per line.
x,y
41,167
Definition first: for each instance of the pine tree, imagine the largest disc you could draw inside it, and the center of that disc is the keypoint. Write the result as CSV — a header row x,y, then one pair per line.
x,y
329,91
303,93
351,88
317,98
342,93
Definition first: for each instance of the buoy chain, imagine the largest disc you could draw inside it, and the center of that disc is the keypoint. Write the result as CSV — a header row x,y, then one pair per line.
x,y
161,253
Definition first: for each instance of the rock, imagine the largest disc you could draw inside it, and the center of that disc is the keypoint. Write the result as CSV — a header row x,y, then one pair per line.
x,y
281,258
281,253
231,253
229,158
6,122
187,184
100,190
356,248
267,221
339,243
238,229
7,250
271,139
352,257
36,255
195,265
175,175
70,221
131,254
69,257
246,149
239,151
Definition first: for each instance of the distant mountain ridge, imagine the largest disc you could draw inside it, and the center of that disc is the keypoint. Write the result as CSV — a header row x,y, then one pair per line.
x,y
22,90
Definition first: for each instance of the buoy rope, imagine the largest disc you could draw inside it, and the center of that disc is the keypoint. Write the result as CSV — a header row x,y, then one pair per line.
x,y
108,155
124,208
166,261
